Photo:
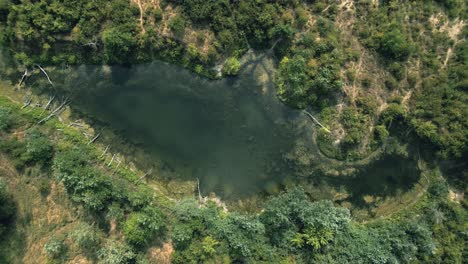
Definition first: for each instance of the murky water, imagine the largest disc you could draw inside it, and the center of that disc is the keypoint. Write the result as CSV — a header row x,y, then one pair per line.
x,y
231,133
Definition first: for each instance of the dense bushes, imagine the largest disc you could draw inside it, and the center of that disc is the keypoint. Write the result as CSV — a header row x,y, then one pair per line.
x,y
5,118
85,237
141,227
39,149
309,75
35,148
441,109
293,221
85,183
292,225
392,43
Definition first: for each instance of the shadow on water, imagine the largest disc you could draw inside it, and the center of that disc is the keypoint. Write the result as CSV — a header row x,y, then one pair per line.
x,y
388,177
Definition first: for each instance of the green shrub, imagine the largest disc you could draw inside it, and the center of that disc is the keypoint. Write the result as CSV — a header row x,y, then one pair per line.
x,y
231,67
85,183
177,25
116,253
44,186
141,227
393,44
301,16
85,237
381,132
439,189
55,247
5,118
39,149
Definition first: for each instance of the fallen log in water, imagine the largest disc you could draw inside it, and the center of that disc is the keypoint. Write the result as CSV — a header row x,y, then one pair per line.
x,y
315,120
53,112
94,139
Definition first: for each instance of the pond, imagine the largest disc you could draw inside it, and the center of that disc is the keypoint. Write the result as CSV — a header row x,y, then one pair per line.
x,y
231,134
234,135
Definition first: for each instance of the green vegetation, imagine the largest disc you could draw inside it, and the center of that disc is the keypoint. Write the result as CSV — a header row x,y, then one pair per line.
x,y
380,75
231,67
309,73
7,209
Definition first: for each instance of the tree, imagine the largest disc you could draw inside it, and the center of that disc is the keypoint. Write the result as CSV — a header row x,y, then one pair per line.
x,y
119,44
141,227
177,25
85,183
393,44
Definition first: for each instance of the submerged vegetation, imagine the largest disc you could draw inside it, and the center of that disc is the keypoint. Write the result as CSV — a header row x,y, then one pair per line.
x,y
380,79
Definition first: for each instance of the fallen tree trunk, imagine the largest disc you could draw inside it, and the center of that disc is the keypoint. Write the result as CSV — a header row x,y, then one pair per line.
x,y
45,73
94,139
23,77
27,103
146,174
49,102
104,152
53,112
112,160
199,192
118,164
316,121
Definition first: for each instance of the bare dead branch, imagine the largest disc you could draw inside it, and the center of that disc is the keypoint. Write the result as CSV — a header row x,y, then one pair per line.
x,y
118,165
104,152
112,160
94,138
199,192
27,103
45,73
74,123
91,44
49,102
54,112
146,174
25,74
315,120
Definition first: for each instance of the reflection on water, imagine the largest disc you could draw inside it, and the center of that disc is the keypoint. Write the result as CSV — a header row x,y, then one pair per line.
x,y
231,134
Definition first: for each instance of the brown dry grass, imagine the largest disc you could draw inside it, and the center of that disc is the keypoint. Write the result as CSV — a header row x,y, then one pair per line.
x,y
161,255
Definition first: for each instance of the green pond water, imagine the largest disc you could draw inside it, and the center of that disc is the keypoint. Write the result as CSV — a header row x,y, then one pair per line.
x,y
231,133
